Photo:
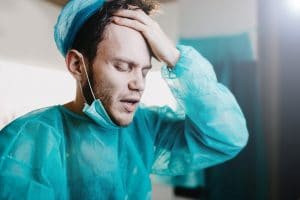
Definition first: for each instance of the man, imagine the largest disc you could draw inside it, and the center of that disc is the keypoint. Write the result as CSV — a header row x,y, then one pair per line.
x,y
104,145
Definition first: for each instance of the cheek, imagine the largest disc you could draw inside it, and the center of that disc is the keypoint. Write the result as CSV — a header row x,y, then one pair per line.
x,y
118,80
112,86
120,87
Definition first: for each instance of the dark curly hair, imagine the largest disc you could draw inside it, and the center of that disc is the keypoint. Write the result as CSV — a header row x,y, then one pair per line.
x,y
91,33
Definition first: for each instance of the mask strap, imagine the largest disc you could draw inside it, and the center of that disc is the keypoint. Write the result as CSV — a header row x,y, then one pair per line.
x,y
87,76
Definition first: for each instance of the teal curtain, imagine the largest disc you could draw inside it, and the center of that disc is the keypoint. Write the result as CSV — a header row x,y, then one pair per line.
x,y
243,177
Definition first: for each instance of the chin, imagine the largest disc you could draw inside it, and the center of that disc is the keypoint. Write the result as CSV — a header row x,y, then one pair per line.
x,y
123,122
122,119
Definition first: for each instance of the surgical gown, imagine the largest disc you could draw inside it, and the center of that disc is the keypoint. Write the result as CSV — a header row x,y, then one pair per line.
x,y
53,153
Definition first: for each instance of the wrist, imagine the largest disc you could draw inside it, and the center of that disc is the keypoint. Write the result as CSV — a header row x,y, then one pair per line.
x,y
174,58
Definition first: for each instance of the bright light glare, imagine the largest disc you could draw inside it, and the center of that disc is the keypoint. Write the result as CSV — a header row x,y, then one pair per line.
x,y
294,6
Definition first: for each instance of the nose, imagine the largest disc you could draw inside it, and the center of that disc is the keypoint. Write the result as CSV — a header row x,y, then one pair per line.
x,y
137,82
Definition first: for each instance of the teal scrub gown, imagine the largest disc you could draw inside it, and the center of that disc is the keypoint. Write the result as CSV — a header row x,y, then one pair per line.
x,y
53,153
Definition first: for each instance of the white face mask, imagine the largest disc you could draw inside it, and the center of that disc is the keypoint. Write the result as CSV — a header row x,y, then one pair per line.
x,y
96,110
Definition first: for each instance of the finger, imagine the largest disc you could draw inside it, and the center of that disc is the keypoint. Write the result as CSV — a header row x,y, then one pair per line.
x,y
131,7
138,15
134,24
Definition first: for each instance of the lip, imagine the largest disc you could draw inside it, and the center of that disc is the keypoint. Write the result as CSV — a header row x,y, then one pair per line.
x,y
130,104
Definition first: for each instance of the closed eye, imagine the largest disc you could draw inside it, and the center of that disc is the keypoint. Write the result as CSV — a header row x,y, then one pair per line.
x,y
123,67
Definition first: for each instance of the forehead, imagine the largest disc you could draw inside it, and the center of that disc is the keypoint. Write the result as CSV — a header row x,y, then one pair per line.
x,y
120,41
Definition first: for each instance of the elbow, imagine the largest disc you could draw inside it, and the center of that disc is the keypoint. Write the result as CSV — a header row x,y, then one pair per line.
x,y
239,141
244,138
243,134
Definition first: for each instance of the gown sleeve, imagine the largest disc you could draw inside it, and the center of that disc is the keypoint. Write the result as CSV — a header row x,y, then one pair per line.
x,y
209,128
26,162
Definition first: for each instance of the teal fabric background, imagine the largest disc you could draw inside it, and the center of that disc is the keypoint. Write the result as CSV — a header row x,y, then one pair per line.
x,y
244,177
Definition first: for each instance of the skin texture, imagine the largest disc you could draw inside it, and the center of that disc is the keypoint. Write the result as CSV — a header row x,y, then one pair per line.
x,y
120,69
122,62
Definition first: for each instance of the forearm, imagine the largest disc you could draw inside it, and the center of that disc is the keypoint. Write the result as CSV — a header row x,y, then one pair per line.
x,y
208,104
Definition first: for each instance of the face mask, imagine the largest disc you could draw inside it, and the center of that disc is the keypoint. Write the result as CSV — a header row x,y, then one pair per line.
x,y
96,110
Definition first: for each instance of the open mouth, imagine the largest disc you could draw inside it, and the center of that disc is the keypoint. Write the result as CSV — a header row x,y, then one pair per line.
x,y
129,104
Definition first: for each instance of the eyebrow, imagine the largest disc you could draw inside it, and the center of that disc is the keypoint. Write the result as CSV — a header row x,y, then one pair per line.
x,y
130,62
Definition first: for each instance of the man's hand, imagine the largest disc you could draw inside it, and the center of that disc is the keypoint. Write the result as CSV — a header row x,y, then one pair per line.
x,y
162,47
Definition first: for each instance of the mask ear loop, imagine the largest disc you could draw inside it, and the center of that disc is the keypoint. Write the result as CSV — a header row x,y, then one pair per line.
x,y
87,76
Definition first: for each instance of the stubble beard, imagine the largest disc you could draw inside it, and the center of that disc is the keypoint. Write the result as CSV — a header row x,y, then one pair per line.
x,y
103,92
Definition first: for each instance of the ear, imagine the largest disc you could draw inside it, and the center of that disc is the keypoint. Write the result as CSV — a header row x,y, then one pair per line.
x,y
74,61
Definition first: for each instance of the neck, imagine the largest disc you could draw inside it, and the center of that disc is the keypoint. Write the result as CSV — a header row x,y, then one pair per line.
x,y
77,104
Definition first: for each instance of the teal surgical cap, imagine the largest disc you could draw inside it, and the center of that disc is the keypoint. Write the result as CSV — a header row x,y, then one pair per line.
x,y
71,19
